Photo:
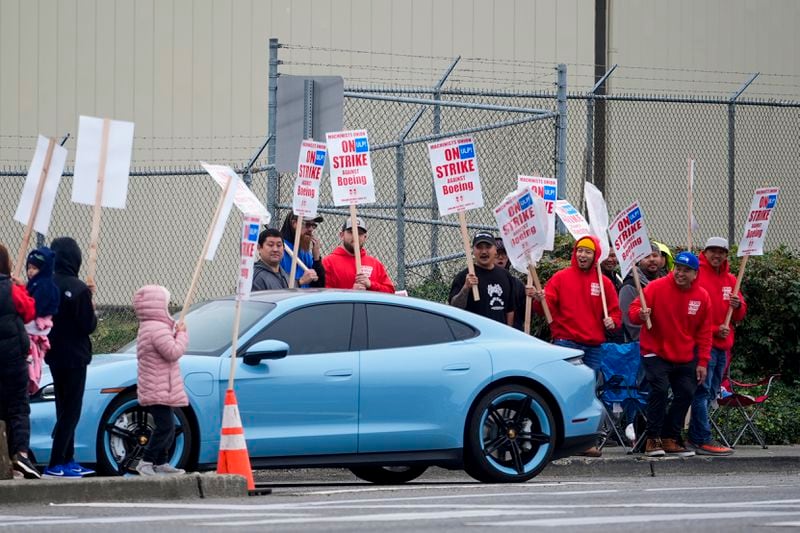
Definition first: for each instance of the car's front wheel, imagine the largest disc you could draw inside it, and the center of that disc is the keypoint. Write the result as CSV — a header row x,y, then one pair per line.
x,y
510,435
388,475
125,430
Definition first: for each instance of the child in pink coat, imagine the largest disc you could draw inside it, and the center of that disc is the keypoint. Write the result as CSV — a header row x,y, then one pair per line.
x,y
159,344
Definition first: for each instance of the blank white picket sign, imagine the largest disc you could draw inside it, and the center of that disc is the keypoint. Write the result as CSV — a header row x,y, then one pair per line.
x,y
87,162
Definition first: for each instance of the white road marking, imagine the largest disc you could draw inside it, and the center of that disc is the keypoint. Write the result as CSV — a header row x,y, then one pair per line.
x,y
475,485
682,489
783,524
149,518
632,519
377,518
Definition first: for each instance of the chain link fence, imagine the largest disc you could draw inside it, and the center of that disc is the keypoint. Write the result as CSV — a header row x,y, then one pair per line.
x,y
634,147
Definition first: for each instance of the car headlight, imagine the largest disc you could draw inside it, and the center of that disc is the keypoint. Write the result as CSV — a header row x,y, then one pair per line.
x,y
577,360
45,394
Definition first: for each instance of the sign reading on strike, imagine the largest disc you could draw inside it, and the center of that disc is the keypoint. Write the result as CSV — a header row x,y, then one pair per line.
x,y
755,229
629,236
455,175
572,219
522,218
545,188
309,172
351,170
250,228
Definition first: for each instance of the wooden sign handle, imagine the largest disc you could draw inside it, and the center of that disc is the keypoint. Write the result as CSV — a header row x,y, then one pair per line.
x,y
302,265
234,341
37,200
356,242
602,290
199,266
533,275
297,231
690,201
641,293
98,199
736,289
462,222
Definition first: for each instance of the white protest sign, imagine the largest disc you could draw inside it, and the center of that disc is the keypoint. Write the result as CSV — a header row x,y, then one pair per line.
x,y
250,229
454,164
598,217
629,236
309,172
522,218
755,228
118,143
572,219
243,197
351,169
47,198
547,189
229,184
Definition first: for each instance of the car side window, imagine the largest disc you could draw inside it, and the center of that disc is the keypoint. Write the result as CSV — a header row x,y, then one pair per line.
x,y
314,329
461,331
391,326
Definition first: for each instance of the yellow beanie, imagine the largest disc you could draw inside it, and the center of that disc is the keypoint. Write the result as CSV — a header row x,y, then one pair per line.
x,y
586,242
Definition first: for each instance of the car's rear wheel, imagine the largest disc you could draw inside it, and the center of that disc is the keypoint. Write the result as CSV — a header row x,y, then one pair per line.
x,y
388,475
511,435
125,430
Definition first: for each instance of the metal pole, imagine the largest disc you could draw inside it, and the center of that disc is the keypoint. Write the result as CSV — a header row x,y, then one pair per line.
x,y
561,131
437,129
400,158
732,156
308,109
272,173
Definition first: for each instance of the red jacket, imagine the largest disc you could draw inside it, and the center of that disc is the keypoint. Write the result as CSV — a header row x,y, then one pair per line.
x,y
340,271
573,296
681,321
719,286
23,303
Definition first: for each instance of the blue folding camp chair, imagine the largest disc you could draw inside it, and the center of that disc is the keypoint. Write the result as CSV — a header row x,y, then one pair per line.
x,y
622,390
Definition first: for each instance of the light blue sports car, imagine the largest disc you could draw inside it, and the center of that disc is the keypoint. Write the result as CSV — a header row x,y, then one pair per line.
x,y
381,384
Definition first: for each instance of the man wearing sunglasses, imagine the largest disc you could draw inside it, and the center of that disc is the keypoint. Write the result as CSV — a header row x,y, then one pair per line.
x,y
310,251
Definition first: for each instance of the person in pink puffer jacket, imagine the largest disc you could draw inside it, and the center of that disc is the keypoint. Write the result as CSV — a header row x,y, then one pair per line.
x,y
159,344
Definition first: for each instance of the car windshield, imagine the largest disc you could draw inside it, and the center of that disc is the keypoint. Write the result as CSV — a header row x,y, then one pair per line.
x,y
210,325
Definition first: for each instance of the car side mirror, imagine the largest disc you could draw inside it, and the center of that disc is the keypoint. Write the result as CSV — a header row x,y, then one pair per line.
x,y
268,349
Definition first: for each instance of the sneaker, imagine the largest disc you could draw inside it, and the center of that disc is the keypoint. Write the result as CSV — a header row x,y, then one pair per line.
x,y
145,468
654,448
594,451
81,470
168,470
710,448
60,472
23,464
673,447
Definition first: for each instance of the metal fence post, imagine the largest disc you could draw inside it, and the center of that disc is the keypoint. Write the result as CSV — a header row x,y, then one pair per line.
x,y
437,129
561,138
732,156
272,173
400,212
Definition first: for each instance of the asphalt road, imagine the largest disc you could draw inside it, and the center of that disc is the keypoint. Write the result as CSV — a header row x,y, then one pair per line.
x,y
308,500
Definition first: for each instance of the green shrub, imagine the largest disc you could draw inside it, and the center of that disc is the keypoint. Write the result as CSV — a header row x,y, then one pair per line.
x,y
115,329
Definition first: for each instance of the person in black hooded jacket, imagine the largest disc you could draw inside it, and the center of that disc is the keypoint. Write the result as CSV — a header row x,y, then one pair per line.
x,y
70,353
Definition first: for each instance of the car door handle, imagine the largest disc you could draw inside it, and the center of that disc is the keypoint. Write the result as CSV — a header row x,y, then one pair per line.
x,y
456,367
339,373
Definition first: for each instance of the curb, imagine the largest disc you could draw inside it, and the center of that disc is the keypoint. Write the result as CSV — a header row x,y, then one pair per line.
x,y
134,488
638,465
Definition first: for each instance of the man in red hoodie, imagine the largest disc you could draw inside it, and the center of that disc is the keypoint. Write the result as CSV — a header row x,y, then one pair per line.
x,y
715,277
340,265
675,351
573,296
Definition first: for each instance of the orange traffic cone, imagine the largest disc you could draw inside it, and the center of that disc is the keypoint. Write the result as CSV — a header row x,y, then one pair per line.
x,y
233,458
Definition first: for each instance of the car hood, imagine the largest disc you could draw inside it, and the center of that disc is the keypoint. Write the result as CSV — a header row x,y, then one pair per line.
x,y
102,366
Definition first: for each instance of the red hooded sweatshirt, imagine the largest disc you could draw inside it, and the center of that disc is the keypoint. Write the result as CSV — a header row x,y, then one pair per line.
x,y
681,321
719,286
340,271
573,296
